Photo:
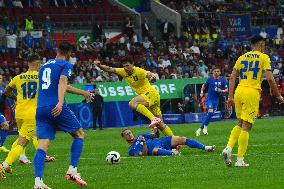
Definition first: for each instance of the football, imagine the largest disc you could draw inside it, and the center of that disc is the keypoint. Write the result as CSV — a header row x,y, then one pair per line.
x,y
113,157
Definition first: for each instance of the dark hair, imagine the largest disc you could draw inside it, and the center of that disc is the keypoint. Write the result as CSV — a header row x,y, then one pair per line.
x,y
123,132
255,39
216,68
33,57
126,60
64,48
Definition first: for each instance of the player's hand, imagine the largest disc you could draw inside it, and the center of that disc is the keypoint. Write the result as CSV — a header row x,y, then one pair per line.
x,y
141,138
88,96
57,110
280,99
230,102
97,62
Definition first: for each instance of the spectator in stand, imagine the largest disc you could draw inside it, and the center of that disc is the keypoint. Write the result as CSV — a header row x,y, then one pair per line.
x,y
48,26
195,48
9,25
2,39
73,59
46,42
2,4
263,33
38,4
128,27
28,3
166,29
150,62
29,24
80,79
146,43
164,62
98,31
145,28
28,41
17,4
8,3
84,42
11,39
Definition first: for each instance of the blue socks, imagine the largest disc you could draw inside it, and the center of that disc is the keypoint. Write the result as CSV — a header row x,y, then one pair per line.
x,y
76,150
207,119
194,144
39,162
3,136
163,152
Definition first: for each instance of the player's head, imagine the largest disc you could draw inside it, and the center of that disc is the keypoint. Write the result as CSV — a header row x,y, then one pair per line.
x,y
64,50
97,91
34,61
258,43
216,72
127,64
127,135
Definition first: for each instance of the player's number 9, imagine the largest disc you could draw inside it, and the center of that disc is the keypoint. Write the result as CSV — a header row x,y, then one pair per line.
x,y
46,78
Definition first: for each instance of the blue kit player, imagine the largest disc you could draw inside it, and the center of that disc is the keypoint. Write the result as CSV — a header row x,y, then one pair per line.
x,y
53,114
216,86
4,127
146,144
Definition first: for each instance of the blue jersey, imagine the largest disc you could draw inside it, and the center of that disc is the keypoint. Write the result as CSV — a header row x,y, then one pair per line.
x,y
213,86
151,143
2,119
49,75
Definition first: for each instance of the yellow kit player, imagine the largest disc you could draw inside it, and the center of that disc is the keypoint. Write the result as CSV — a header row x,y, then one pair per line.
x,y
250,68
147,102
26,85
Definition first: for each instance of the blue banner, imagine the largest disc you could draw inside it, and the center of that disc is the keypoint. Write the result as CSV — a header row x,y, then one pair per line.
x,y
199,117
235,24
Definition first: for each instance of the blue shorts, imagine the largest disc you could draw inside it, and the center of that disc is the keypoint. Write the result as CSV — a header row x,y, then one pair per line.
x,y
2,119
165,143
46,124
212,105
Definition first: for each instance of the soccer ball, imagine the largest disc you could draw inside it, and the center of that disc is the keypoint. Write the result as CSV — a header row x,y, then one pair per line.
x,y
113,157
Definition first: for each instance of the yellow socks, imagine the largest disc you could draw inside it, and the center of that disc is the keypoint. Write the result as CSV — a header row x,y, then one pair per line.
x,y
35,142
167,131
243,143
235,133
14,154
144,111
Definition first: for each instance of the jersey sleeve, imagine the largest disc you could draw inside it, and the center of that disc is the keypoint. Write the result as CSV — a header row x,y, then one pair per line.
x,y
266,62
224,84
134,152
67,70
120,71
13,82
238,64
146,135
207,82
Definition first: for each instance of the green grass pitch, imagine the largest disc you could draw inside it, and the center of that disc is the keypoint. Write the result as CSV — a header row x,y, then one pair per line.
x,y
193,169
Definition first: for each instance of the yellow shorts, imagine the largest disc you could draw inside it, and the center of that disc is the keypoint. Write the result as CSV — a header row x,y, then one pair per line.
x,y
26,128
246,103
153,98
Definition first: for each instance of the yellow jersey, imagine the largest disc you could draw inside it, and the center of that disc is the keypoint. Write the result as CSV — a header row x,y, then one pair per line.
x,y
252,66
26,85
138,80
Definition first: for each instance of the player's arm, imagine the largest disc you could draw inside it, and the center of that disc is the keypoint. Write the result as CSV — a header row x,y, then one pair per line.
x,y
145,148
104,67
270,79
62,88
9,92
232,83
88,96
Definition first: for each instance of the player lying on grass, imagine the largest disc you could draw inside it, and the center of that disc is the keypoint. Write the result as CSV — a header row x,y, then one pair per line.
x,y
147,144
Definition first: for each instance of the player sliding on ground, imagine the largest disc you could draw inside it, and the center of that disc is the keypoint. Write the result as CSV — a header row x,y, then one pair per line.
x,y
250,68
147,102
53,114
146,144
26,85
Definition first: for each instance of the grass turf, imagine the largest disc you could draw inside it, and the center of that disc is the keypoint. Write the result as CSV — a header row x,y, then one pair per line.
x,y
193,169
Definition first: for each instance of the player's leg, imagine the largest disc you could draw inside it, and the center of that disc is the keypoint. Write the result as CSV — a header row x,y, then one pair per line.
x,y
235,132
95,117
210,112
140,104
177,140
15,153
4,127
68,122
100,120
